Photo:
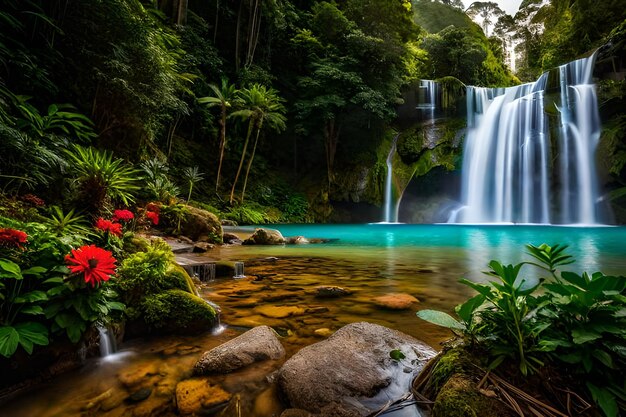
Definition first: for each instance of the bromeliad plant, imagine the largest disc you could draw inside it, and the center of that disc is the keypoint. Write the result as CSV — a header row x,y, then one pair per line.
x,y
576,322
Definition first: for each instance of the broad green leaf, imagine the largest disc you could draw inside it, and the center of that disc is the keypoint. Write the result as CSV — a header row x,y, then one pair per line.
x,y
114,305
575,279
54,280
603,357
480,288
467,309
9,339
35,270
581,336
604,399
9,269
397,355
31,297
34,310
32,333
440,319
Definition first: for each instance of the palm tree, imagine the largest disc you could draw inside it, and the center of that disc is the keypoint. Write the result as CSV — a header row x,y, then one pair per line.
x,y
262,108
222,97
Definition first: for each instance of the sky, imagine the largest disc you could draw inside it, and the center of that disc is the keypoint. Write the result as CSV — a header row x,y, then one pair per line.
x,y
509,6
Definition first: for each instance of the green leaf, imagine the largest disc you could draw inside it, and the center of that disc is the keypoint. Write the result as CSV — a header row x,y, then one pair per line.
x,y
34,310
32,334
467,309
581,336
9,339
54,280
603,357
9,269
440,319
35,270
31,297
604,399
114,305
396,355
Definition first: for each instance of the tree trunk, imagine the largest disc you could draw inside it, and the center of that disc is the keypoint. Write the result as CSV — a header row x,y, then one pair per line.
x,y
181,15
222,146
243,156
217,15
238,36
331,137
256,141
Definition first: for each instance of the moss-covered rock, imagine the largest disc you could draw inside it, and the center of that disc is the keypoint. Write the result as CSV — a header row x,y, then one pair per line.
x,y
177,311
201,225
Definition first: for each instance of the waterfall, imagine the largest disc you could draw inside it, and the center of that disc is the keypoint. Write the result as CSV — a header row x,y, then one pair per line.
x,y
427,99
390,212
239,271
507,164
107,342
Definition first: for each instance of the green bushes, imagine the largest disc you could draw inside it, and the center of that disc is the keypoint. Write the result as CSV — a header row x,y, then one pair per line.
x,y
160,294
570,321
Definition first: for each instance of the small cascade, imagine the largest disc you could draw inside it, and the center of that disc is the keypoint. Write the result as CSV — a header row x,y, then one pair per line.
x,y
507,168
580,132
239,271
108,346
390,211
204,272
428,98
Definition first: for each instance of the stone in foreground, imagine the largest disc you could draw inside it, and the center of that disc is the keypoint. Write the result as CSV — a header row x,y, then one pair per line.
x,y
265,237
194,396
255,345
351,373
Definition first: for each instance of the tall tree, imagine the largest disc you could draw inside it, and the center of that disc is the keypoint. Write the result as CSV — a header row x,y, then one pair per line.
x,y
262,108
222,97
486,13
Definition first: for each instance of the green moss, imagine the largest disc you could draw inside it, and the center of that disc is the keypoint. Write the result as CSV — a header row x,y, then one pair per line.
x,y
459,397
179,278
177,311
448,364
136,244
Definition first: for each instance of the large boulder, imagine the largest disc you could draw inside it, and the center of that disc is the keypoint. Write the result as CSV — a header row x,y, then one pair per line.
x,y
178,311
201,225
351,373
255,345
265,237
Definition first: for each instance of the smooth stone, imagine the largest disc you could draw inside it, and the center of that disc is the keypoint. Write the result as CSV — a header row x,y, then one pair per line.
x,y
193,396
255,345
265,237
202,247
351,373
297,240
331,292
266,404
137,374
231,239
153,406
324,332
316,310
140,395
395,301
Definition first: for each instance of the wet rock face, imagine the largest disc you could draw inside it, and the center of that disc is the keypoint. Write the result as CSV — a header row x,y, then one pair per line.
x,y
265,237
351,373
255,345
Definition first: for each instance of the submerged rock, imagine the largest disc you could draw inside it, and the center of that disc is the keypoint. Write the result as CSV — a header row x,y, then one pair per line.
x,y
231,239
297,240
195,396
255,345
396,301
265,237
331,292
351,373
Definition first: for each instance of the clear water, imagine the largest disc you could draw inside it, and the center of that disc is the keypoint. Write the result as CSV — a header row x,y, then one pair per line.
x,y
424,261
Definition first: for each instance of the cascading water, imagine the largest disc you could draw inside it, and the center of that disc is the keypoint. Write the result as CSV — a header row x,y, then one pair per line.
x,y
428,98
107,342
506,165
390,213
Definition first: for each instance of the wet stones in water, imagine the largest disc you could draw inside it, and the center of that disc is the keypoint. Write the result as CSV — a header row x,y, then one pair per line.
x,y
297,240
280,312
323,332
231,239
197,396
395,301
331,292
202,247
316,310
255,345
138,374
265,237
351,371
139,395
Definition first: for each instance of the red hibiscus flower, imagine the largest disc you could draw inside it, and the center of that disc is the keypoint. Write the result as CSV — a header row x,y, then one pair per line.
x,y
109,226
96,263
123,215
12,237
153,216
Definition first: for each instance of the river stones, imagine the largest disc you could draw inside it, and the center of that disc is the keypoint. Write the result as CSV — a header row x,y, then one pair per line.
x,y
195,396
331,292
395,301
351,373
265,237
231,239
280,312
255,345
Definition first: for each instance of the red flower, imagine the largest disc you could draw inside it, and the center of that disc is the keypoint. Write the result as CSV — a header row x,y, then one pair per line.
x,y
109,226
96,263
153,216
153,207
123,215
12,237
